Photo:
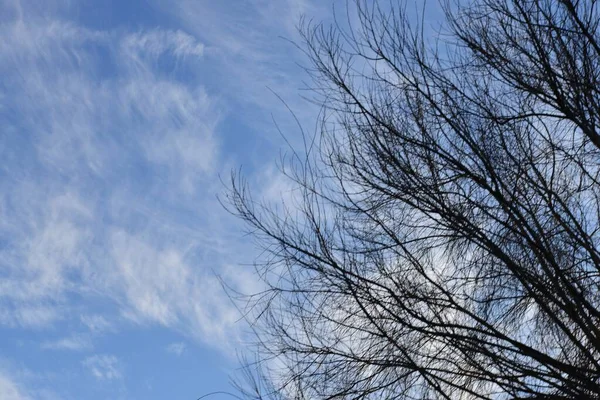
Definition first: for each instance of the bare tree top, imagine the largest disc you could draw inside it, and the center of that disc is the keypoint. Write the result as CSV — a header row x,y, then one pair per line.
x,y
445,244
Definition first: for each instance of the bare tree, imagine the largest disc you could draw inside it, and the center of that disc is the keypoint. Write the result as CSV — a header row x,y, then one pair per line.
x,y
444,242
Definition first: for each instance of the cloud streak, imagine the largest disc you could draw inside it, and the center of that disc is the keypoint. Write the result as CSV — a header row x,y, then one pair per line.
x,y
104,367
119,141
72,343
9,390
176,348
113,143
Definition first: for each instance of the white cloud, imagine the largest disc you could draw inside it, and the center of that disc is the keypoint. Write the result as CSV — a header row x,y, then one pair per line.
x,y
152,281
104,367
157,42
33,316
97,324
96,135
251,55
47,241
158,285
9,390
73,343
82,116
110,169
177,348
278,188
111,154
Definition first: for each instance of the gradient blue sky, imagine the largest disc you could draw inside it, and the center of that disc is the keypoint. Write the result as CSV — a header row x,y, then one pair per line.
x,y
117,118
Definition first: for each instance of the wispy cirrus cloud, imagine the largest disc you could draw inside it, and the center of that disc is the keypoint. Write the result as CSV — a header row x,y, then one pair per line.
x,y
177,348
113,138
102,136
252,46
9,390
104,367
97,324
157,43
73,343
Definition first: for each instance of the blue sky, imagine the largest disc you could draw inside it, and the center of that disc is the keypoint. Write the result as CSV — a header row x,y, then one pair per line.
x,y
118,120
118,117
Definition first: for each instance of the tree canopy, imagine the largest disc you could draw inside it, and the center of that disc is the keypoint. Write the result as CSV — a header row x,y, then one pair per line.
x,y
443,241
